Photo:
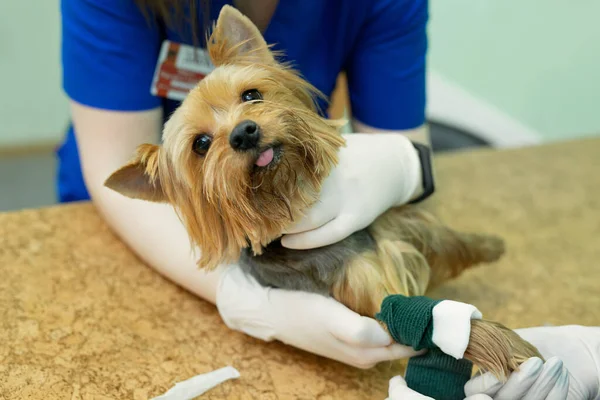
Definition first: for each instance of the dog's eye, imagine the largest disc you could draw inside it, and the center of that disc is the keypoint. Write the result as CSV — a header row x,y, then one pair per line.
x,y
251,95
201,144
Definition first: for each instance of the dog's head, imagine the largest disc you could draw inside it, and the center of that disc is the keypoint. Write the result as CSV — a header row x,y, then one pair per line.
x,y
245,153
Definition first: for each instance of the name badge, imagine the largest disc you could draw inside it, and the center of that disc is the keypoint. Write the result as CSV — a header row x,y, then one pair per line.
x,y
179,69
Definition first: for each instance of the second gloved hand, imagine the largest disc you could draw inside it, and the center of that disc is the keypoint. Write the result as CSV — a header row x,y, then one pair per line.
x,y
571,370
375,172
311,322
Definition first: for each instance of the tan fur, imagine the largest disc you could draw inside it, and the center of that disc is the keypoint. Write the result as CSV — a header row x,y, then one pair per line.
x,y
447,252
139,179
235,38
493,347
226,204
394,268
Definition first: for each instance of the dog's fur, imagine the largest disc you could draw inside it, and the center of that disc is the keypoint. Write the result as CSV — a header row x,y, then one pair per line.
x,y
235,211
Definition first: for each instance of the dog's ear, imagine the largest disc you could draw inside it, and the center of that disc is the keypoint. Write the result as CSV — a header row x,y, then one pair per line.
x,y
235,37
140,178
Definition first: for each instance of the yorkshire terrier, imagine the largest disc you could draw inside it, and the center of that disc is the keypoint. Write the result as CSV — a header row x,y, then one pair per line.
x,y
244,156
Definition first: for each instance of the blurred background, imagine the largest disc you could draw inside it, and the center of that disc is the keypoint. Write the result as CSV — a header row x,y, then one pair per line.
x,y
501,74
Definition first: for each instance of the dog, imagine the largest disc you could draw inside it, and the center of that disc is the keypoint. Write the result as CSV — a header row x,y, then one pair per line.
x,y
244,156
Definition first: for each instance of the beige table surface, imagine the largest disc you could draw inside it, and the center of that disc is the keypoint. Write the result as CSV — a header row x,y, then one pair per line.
x,y
82,318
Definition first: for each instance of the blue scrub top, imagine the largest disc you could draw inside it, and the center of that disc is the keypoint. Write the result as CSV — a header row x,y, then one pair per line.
x,y
109,53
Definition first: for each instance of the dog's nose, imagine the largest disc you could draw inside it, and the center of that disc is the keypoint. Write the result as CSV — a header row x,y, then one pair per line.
x,y
245,136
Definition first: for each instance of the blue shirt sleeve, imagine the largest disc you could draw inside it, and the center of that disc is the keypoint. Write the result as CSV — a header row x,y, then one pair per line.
x,y
386,69
109,53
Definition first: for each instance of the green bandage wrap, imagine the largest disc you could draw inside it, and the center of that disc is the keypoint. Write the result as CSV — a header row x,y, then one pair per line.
x,y
409,320
438,375
434,374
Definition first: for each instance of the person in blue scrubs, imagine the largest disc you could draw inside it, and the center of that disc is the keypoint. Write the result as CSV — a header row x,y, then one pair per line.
x,y
109,53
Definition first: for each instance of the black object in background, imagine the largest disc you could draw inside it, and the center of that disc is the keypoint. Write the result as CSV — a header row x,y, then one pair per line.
x,y
445,138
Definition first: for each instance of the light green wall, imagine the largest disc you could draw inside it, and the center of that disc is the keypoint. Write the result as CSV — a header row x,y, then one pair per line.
x,y
537,60
33,108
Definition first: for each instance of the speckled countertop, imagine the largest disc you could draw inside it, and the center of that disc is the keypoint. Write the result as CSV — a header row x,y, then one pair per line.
x,y
82,318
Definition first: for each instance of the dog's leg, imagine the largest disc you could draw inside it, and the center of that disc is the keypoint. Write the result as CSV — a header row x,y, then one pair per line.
x,y
393,267
396,267
447,251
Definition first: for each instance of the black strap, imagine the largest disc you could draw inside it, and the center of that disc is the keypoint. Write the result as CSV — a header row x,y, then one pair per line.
x,y
426,172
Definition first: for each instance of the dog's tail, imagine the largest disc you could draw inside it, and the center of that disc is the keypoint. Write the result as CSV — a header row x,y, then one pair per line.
x,y
447,251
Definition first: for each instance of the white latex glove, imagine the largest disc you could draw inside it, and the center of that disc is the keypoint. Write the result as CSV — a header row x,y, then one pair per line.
x,y
535,380
311,322
571,370
375,172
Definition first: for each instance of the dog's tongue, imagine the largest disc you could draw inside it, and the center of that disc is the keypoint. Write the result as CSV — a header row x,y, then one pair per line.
x,y
265,158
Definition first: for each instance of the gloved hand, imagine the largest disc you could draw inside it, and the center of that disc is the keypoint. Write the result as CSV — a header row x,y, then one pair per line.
x,y
375,172
575,349
311,322
571,370
535,380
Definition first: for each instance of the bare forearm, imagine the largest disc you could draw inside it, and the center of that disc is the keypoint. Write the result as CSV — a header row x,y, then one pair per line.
x,y
419,134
